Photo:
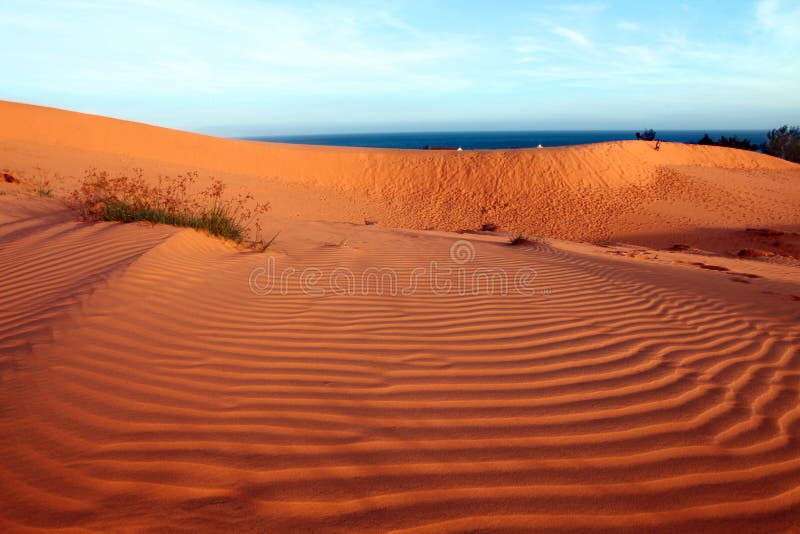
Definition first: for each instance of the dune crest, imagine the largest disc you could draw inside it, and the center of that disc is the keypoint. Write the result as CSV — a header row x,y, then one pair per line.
x,y
606,191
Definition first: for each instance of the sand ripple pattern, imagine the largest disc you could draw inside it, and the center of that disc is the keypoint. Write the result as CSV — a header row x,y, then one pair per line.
x,y
171,396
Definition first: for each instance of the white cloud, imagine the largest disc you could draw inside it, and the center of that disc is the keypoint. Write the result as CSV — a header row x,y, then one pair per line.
x,y
572,35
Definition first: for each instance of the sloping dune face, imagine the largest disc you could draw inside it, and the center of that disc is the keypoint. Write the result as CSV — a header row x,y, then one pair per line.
x,y
168,393
593,193
355,378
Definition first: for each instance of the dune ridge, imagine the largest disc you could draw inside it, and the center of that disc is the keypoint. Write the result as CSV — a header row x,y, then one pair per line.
x,y
145,386
598,192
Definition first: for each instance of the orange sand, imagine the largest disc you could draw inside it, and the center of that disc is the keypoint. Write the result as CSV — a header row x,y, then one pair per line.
x,y
144,386
609,191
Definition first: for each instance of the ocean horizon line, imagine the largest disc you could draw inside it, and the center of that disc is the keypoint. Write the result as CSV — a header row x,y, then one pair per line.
x,y
499,139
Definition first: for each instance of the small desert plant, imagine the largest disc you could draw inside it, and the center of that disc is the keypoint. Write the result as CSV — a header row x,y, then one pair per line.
x,y
258,243
517,240
44,189
340,244
521,239
754,253
130,198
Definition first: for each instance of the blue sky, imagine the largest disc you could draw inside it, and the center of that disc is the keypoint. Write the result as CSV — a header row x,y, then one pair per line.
x,y
251,67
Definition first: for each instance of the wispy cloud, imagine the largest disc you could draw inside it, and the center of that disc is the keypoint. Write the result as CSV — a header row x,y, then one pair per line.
x,y
311,49
779,18
572,35
670,57
305,59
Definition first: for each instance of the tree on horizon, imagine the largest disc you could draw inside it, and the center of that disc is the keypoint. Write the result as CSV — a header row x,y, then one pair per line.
x,y
706,140
784,142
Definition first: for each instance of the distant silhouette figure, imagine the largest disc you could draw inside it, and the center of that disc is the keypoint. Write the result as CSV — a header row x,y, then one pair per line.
x,y
658,145
638,136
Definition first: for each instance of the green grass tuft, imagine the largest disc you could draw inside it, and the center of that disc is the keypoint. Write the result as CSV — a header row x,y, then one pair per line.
x,y
130,199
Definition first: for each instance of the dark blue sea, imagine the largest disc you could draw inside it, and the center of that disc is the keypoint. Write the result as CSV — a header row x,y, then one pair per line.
x,y
493,140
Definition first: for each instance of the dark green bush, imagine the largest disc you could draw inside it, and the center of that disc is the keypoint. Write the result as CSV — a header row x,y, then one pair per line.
x,y
784,142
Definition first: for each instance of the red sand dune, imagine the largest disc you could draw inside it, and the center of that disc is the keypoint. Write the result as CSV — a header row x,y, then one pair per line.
x,y
144,386
609,191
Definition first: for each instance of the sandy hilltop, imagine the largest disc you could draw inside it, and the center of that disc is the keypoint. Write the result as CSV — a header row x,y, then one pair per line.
x,y
622,370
